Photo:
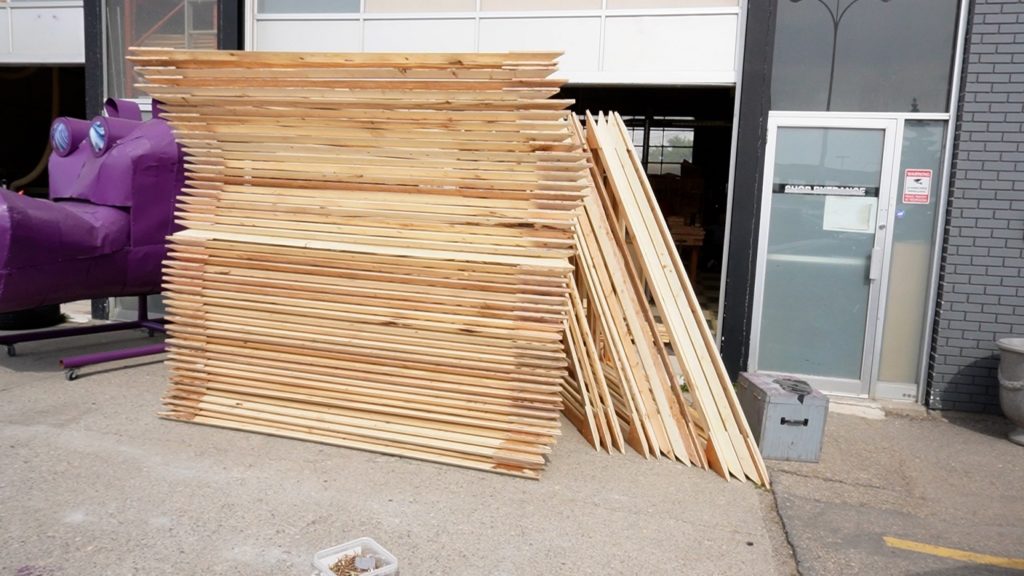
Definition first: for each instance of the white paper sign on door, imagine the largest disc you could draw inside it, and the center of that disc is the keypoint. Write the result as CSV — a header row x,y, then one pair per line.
x,y
917,186
850,214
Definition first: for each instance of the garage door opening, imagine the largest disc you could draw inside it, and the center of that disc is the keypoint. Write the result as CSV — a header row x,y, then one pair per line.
x,y
33,97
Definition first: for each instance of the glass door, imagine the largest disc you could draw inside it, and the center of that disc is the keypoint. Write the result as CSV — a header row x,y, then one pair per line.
x,y
823,234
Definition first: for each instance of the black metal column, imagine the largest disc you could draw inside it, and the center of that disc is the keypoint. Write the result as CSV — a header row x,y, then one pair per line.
x,y
93,21
755,102
93,17
230,27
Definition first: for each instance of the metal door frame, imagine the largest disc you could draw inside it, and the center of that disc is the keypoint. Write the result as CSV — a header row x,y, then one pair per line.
x,y
890,124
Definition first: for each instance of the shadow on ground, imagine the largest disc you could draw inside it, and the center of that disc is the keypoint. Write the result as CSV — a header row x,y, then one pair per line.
x,y
45,356
991,425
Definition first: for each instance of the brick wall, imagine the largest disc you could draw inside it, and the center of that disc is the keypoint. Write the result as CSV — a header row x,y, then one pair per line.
x,y
981,288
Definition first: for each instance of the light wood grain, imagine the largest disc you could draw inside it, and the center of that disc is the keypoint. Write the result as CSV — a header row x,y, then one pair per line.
x,y
375,250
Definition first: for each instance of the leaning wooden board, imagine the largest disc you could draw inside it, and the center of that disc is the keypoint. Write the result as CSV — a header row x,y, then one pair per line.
x,y
375,249
709,419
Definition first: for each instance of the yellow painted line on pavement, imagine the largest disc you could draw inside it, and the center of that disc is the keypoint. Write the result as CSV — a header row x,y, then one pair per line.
x,y
954,554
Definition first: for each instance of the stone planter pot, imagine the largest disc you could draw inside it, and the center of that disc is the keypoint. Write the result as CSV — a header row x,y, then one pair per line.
x,y
1011,385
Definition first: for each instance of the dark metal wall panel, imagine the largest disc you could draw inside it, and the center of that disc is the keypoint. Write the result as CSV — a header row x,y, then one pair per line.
x,y
229,25
755,102
93,18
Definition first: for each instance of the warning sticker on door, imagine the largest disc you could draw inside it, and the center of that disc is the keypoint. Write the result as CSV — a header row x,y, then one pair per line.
x,y
917,186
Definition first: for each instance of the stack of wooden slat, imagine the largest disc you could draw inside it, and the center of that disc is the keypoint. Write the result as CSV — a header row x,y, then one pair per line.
x,y
375,252
624,383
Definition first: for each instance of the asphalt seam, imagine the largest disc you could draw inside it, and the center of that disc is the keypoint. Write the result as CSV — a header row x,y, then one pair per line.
x,y
835,480
785,534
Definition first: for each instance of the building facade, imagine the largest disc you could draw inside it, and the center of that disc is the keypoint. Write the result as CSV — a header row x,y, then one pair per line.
x,y
981,289
846,130
852,166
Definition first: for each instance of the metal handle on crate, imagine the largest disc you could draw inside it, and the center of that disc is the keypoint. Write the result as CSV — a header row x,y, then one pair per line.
x,y
787,422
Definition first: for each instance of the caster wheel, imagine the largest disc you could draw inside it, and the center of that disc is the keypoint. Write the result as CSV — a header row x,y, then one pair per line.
x,y
11,351
71,374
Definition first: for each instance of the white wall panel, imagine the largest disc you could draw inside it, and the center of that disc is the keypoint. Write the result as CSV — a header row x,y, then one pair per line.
x,y
5,33
694,46
579,38
47,35
529,5
640,4
425,35
392,6
686,45
310,35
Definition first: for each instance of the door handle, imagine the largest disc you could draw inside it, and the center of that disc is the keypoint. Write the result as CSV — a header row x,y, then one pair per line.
x,y
875,266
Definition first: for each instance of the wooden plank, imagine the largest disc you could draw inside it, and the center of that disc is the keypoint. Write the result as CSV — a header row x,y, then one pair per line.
x,y
699,372
323,383
611,433
638,303
604,146
338,439
580,393
346,368
386,72
726,446
521,263
266,59
299,80
743,427
633,379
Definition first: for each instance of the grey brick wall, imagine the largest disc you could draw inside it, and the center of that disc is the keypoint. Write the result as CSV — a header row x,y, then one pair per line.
x,y
981,287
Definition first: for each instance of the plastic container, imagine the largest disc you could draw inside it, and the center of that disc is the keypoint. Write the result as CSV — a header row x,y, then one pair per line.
x,y
323,559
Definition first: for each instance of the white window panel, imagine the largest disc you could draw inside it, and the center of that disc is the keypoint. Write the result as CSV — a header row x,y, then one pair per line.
x,y
691,48
635,4
424,35
532,5
5,33
394,6
310,35
307,6
46,35
579,38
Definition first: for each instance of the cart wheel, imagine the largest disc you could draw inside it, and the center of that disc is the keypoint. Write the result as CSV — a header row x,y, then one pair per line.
x,y
71,374
11,351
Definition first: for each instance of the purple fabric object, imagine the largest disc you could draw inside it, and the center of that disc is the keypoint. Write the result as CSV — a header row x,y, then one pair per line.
x,y
36,230
103,231
119,108
143,164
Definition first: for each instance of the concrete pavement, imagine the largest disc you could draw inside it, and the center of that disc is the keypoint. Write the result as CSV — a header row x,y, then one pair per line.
x,y
93,483
940,480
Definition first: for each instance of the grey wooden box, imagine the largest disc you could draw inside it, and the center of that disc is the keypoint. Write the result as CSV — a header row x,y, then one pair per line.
x,y
786,425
